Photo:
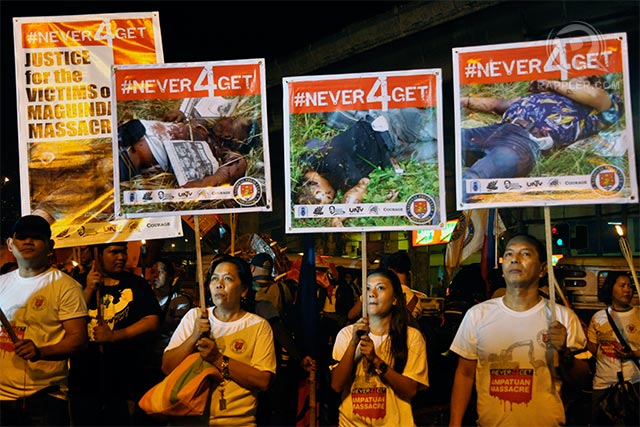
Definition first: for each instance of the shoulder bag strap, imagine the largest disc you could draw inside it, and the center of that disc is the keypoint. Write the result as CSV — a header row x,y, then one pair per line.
x,y
412,302
165,309
619,335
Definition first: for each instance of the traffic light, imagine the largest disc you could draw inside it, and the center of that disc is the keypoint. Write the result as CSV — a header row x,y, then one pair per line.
x,y
561,235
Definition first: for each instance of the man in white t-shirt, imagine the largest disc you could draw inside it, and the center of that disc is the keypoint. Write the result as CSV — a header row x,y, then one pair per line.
x,y
46,322
507,346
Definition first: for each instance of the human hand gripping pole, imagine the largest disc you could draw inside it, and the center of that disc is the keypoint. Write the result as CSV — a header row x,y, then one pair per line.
x,y
7,327
100,313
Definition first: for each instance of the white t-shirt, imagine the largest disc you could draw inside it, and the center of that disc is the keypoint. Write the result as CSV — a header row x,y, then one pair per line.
x,y
513,380
248,340
601,333
36,307
369,401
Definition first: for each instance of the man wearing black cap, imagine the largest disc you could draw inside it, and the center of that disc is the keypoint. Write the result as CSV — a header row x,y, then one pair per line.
x,y
273,300
47,321
263,281
106,380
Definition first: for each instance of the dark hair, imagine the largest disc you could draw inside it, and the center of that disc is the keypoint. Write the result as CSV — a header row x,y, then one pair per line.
x,y
540,248
102,246
596,80
130,132
244,270
170,269
606,291
399,320
399,262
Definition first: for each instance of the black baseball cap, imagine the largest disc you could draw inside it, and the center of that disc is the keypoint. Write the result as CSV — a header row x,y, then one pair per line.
x,y
33,226
263,260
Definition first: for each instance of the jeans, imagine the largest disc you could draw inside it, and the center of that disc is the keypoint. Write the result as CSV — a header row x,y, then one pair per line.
x,y
412,130
500,150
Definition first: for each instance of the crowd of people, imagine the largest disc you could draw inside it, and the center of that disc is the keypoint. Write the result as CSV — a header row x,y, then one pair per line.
x,y
83,350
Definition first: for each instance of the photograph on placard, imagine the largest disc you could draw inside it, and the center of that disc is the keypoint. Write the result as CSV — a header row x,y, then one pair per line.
x,y
544,123
364,152
191,138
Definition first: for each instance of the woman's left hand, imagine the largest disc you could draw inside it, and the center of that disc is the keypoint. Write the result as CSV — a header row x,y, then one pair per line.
x,y
208,349
367,348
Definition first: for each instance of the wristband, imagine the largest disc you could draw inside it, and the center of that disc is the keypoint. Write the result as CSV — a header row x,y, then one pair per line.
x,y
381,369
224,368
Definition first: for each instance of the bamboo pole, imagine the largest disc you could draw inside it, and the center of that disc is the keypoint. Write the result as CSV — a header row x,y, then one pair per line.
x,y
550,272
203,304
363,257
625,248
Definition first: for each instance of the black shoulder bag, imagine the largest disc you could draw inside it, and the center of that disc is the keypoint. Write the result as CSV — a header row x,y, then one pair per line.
x,y
620,403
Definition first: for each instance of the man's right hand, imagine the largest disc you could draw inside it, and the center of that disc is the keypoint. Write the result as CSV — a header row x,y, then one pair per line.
x,y
94,277
93,282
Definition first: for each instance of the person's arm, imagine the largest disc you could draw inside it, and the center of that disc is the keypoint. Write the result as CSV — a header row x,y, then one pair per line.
x,y
104,334
92,283
342,372
487,104
248,376
571,369
463,381
580,91
172,357
75,338
233,166
231,369
404,387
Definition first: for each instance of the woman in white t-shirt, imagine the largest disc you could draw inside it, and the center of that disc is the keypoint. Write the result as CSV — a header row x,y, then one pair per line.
x,y
611,355
382,360
239,344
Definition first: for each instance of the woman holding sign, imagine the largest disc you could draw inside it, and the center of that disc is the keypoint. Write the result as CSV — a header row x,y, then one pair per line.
x,y
382,360
238,344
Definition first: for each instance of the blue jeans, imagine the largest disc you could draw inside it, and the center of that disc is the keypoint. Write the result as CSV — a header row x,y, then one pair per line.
x,y
500,150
